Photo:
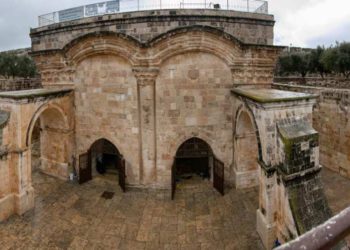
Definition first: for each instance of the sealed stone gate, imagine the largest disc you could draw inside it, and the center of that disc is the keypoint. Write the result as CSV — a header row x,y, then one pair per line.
x,y
136,87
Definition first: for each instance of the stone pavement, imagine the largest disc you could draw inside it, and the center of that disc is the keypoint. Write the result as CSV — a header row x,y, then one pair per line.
x,y
69,216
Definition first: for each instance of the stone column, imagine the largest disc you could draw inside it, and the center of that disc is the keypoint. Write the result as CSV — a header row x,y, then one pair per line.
x,y
146,93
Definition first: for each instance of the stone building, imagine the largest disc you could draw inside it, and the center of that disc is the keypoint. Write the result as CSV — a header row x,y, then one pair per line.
x,y
153,90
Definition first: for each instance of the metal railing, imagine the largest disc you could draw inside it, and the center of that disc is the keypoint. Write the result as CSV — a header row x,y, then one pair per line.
x,y
121,6
325,236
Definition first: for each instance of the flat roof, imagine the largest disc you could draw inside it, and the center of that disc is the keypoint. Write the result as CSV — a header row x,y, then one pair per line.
x,y
33,93
272,95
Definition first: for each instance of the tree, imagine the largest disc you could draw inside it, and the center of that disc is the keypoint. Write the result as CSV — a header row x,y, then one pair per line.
x,y
316,66
284,65
301,63
12,65
25,67
343,60
337,59
294,63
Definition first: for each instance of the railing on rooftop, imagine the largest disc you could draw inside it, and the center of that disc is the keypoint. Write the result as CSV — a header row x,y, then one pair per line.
x,y
121,6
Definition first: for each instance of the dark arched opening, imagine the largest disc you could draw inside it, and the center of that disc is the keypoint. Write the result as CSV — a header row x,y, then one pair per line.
x,y
105,159
193,159
102,159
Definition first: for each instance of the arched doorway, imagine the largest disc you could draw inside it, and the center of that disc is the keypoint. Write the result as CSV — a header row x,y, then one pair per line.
x,y
246,152
102,159
195,159
192,158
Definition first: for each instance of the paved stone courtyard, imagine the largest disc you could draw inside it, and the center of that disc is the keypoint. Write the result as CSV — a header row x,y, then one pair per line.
x,y
69,216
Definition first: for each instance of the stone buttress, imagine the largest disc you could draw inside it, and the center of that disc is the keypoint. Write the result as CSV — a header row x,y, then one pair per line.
x,y
291,195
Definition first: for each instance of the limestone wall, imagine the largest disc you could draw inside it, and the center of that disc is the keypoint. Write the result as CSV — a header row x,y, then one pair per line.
x,y
56,126
106,107
193,99
149,96
19,84
331,120
326,82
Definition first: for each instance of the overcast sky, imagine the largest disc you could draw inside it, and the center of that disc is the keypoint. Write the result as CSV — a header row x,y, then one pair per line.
x,y
305,23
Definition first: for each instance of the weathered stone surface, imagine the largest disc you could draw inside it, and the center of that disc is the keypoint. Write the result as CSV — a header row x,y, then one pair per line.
x,y
308,202
272,95
144,26
52,109
4,117
331,120
83,220
19,84
147,94
287,147
325,82
300,143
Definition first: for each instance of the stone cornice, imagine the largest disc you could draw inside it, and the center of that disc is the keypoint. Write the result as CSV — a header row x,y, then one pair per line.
x,y
268,169
289,178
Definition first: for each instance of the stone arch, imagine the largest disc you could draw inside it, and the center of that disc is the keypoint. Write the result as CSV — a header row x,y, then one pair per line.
x,y
247,149
196,39
201,136
104,148
53,139
102,43
202,28
244,108
100,138
45,108
194,156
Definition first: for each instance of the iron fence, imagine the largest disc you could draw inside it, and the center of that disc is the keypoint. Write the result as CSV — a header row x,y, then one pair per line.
x,y
121,6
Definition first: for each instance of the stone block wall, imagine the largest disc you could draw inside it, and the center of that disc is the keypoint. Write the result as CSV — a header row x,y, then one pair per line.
x,y
19,84
326,82
56,125
252,28
148,92
107,107
331,120
291,196
193,99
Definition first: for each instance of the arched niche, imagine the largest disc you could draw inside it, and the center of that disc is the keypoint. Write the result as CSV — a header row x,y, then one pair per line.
x,y
246,151
48,141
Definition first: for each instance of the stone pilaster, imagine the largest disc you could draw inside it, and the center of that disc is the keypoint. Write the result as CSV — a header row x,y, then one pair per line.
x,y
146,92
266,219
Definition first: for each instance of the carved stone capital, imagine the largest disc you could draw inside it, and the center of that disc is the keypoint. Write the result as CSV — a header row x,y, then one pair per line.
x,y
145,76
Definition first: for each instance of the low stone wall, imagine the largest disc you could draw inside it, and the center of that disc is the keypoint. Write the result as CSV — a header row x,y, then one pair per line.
x,y
331,119
19,84
328,82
